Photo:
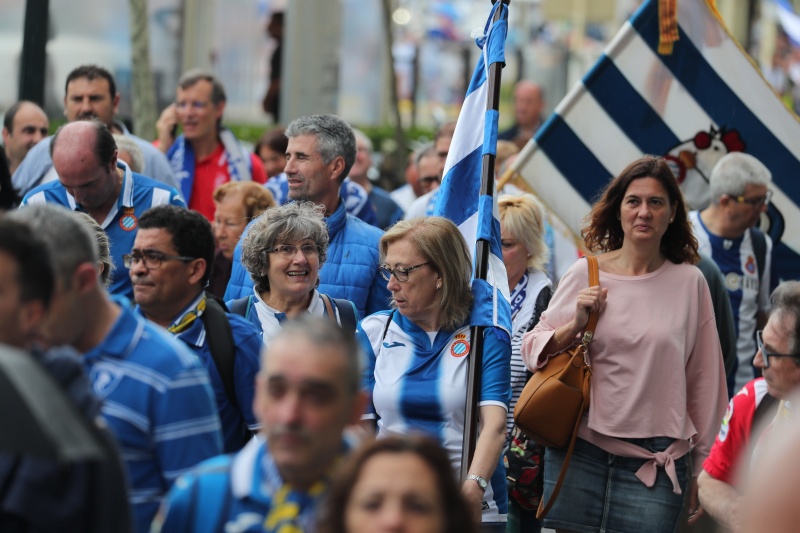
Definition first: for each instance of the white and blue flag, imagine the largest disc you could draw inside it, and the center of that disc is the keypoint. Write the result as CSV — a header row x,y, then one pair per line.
x,y
704,99
459,198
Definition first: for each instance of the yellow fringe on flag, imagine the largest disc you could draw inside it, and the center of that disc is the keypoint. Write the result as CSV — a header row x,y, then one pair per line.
x,y
667,25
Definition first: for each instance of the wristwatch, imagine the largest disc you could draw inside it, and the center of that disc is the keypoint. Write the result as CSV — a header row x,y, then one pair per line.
x,y
482,483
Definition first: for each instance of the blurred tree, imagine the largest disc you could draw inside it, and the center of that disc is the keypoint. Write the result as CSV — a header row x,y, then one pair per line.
x,y
143,90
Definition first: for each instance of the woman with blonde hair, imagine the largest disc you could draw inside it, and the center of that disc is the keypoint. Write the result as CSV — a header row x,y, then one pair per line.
x,y
416,371
525,255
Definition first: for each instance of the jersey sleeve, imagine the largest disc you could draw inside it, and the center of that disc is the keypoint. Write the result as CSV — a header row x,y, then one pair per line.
x,y
368,335
496,375
733,437
246,365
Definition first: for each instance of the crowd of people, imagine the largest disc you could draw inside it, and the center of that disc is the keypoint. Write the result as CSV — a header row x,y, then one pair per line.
x,y
271,342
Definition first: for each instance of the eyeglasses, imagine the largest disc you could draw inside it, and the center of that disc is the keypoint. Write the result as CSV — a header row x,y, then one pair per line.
x,y
756,202
152,259
289,250
427,180
766,354
400,273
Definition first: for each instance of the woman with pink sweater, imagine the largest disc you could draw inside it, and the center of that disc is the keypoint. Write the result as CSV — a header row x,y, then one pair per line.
x,y
658,387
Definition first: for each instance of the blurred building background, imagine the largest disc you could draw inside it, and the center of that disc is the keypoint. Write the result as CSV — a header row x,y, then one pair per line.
x,y
342,56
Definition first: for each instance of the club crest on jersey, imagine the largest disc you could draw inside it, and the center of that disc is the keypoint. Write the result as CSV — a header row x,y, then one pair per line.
x,y
750,265
725,427
460,346
128,221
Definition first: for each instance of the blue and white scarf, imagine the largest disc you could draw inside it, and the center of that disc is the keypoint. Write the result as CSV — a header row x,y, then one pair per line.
x,y
182,160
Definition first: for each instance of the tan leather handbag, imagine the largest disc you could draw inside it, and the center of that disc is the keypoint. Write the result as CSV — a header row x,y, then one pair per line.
x,y
553,401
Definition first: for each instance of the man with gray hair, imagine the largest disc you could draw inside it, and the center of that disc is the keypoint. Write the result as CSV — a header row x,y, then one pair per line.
x,y
307,392
320,154
205,155
756,413
726,232
157,399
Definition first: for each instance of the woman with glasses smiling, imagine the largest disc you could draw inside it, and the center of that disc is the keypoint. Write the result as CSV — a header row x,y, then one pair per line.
x,y
283,252
416,371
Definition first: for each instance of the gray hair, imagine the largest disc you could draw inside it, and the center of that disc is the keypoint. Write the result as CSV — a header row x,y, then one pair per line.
x,y
192,76
288,223
103,247
126,144
361,136
334,136
786,302
325,333
734,172
69,240
426,150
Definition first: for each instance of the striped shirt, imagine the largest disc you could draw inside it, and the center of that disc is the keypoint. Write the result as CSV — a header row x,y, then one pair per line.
x,y
419,384
736,260
158,402
137,195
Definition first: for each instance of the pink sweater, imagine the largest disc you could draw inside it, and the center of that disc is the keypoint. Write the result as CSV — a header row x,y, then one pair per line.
x,y
656,359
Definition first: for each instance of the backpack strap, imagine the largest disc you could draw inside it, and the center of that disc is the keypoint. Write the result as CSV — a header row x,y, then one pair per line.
x,y
346,310
221,344
240,306
347,313
759,241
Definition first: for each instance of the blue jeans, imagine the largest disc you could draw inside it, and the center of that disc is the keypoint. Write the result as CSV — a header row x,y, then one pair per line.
x,y
601,492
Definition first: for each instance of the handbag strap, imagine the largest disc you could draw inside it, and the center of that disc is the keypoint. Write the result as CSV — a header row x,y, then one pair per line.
x,y
543,509
594,280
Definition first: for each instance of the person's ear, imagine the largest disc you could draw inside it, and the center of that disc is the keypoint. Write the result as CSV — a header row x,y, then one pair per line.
x,y
197,269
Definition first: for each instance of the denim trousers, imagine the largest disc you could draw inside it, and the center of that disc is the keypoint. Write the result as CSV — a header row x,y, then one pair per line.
x,y
601,492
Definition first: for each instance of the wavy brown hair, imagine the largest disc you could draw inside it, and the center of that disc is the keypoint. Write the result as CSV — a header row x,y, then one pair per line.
x,y
604,230
455,510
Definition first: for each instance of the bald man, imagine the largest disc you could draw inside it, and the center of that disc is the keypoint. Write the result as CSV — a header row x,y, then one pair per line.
x,y
91,180
528,109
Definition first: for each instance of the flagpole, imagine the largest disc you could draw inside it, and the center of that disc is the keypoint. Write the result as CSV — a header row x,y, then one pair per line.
x,y
481,269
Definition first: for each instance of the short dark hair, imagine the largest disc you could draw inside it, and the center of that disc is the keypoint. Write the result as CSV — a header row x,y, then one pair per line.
x,y
105,146
275,139
454,508
191,232
604,231
8,118
92,72
35,274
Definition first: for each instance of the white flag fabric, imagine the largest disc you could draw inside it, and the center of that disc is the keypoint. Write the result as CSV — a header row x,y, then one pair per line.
x,y
703,100
459,197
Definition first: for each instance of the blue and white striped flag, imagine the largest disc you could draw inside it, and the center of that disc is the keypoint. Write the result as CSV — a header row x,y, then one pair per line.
x,y
459,197
692,106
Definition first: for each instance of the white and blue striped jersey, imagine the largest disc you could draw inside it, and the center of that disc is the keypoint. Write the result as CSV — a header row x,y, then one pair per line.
x,y
737,261
138,194
416,385
158,402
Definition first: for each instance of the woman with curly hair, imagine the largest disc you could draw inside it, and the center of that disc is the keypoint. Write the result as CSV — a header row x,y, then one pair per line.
x,y
658,386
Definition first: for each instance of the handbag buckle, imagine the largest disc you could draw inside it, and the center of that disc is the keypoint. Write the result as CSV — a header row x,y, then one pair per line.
x,y
587,337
